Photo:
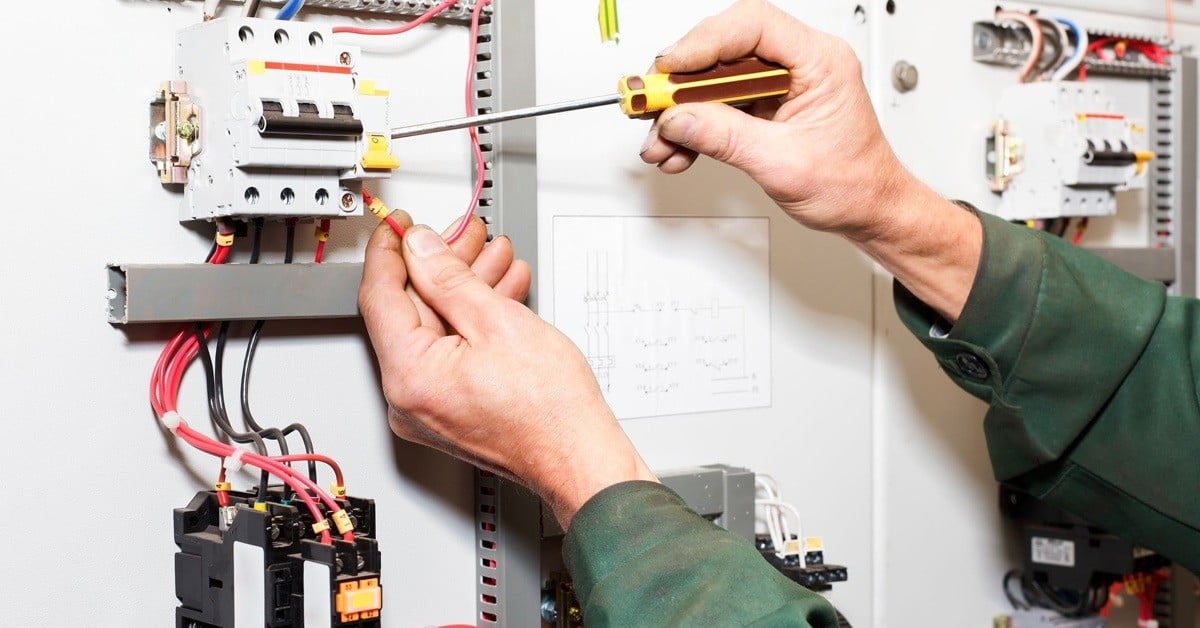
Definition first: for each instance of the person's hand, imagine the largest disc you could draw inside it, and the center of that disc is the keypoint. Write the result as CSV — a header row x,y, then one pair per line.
x,y
469,370
818,152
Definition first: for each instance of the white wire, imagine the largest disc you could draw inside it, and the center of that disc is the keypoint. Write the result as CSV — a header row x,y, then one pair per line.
x,y
777,523
1081,46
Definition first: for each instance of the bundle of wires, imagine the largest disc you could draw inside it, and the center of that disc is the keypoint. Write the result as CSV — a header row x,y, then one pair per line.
x,y
165,382
774,511
1032,592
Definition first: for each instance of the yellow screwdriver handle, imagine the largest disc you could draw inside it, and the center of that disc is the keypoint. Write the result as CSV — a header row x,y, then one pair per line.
x,y
735,83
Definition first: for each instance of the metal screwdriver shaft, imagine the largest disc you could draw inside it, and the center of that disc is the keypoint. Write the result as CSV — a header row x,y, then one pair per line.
x,y
504,116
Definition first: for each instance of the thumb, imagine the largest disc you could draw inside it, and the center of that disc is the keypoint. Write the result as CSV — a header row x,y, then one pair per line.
x,y
723,133
446,284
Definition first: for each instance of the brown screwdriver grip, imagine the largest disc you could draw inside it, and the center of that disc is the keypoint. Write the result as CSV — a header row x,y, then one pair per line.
x,y
721,83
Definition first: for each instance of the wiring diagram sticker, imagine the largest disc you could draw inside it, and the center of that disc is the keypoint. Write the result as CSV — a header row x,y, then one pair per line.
x,y
672,313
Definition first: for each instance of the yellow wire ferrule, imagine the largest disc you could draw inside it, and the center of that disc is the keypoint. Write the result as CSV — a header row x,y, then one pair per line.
x,y
342,521
378,208
260,506
337,490
223,486
321,235
321,526
224,239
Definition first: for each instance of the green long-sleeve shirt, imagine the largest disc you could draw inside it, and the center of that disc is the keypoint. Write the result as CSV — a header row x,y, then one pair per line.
x,y
1089,376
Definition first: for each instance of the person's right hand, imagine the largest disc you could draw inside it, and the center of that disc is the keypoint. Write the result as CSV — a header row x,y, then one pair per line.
x,y
820,153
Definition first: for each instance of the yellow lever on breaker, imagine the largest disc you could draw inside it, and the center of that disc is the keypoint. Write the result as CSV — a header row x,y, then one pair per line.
x,y
644,95
735,83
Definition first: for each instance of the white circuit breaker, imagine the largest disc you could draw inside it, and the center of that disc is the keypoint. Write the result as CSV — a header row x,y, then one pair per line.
x,y
1060,149
268,118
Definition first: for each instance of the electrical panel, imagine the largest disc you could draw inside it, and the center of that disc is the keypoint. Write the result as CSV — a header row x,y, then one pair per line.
x,y
268,118
1061,149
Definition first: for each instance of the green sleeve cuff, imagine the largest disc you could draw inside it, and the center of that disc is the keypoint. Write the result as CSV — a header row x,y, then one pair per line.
x,y
1047,336
638,556
616,525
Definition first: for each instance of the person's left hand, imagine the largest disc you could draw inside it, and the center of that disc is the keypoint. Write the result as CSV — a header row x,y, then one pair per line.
x,y
470,371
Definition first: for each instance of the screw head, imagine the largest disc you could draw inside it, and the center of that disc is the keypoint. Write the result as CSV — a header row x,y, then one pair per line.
x,y
905,77
348,203
186,131
344,58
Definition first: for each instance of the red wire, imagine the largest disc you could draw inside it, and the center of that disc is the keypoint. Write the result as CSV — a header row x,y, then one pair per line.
x,y
222,496
320,255
337,470
480,166
404,28
1083,225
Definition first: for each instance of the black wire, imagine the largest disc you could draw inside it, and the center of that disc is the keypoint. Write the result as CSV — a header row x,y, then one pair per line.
x,y
221,420
289,250
256,249
251,423
252,345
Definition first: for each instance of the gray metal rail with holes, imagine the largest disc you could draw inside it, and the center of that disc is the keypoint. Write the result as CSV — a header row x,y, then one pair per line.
x,y
507,530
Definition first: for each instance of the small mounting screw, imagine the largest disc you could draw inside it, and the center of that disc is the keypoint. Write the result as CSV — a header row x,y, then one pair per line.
x,y
905,77
344,58
347,201
186,131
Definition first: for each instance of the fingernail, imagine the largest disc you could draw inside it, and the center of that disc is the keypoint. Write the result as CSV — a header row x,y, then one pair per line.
x,y
650,139
665,51
679,128
424,242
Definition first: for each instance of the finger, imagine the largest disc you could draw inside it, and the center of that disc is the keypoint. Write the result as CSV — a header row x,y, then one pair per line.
x,y
655,149
447,284
470,243
391,316
495,260
467,248
749,27
726,134
516,281
679,161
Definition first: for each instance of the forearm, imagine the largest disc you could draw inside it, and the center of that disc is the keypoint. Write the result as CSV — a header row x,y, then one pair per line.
x,y
931,245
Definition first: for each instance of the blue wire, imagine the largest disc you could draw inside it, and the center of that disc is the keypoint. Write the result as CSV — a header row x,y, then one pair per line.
x,y
1078,39
289,10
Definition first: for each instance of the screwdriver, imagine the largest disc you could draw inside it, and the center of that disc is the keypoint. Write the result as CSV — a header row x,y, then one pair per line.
x,y
644,95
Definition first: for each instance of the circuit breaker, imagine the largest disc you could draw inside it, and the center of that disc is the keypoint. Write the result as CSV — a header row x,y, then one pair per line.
x,y
1061,149
268,118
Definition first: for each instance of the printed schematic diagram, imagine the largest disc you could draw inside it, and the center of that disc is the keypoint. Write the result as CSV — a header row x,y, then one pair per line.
x,y
672,313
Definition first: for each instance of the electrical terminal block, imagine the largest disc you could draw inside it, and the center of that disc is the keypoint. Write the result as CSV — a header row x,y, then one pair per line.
x,y
269,118
237,562
1062,149
811,573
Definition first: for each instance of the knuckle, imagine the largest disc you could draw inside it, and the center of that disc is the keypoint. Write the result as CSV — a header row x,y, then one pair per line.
x,y
452,277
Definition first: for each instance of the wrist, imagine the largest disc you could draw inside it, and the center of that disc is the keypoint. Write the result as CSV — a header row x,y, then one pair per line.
x,y
596,462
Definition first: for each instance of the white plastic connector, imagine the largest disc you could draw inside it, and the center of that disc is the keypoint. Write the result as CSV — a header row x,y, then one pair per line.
x,y
171,421
233,462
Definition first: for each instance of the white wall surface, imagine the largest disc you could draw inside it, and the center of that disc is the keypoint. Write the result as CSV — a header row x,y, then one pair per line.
x,y
884,457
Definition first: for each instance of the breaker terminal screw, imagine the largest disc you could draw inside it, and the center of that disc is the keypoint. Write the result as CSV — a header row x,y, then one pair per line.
x,y
347,200
344,58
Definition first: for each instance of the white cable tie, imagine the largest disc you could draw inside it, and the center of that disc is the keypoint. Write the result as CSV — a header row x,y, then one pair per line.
x,y
233,462
171,420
